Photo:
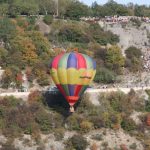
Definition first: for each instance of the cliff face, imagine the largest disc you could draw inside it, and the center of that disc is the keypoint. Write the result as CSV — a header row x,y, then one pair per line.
x,y
131,35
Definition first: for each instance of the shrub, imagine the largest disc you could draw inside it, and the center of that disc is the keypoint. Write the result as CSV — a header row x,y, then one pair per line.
x,y
73,33
86,126
73,122
133,52
104,75
133,146
8,146
59,134
147,106
98,121
48,19
97,137
78,142
44,120
136,22
35,96
9,102
133,61
128,124
105,144
114,59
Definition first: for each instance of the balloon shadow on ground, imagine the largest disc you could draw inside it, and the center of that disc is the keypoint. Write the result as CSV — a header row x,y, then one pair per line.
x,y
58,103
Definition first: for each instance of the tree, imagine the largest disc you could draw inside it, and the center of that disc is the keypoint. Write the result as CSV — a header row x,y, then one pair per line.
x,y
114,59
7,29
113,8
6,78
76,10
98,10
26,48
46,7
27,7
9,76
3,9
139,11
62,7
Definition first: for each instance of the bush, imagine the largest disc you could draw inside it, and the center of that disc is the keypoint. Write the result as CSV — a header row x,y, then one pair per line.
x,y
35,96
73,33
8,146
98,121
73,122
133,61
86,126
104,75
48,19
133,52
78,142
98,137
59,134
133,146
147,106
136,22
128,124
44,120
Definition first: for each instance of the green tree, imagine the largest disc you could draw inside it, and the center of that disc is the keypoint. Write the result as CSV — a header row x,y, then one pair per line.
x,y
139,11
98,10
3,9
63,5
113,8
46,7
7,29
76,10
114,59
28,7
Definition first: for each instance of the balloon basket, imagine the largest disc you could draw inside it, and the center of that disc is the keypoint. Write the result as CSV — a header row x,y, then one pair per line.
x,y
71,109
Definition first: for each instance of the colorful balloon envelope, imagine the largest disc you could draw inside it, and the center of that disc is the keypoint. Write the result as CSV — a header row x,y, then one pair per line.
x,y
72,73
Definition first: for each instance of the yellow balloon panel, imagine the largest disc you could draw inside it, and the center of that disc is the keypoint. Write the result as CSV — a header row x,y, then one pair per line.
x,y
62,75
54,75
72,76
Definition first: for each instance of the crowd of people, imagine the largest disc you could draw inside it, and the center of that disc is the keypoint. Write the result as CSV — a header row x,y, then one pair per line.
x,y
114,19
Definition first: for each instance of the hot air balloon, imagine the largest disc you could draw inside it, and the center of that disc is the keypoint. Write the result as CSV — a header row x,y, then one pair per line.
x,y
72,73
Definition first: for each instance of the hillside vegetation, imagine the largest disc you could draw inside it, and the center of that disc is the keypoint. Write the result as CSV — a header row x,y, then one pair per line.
x,y
38,117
